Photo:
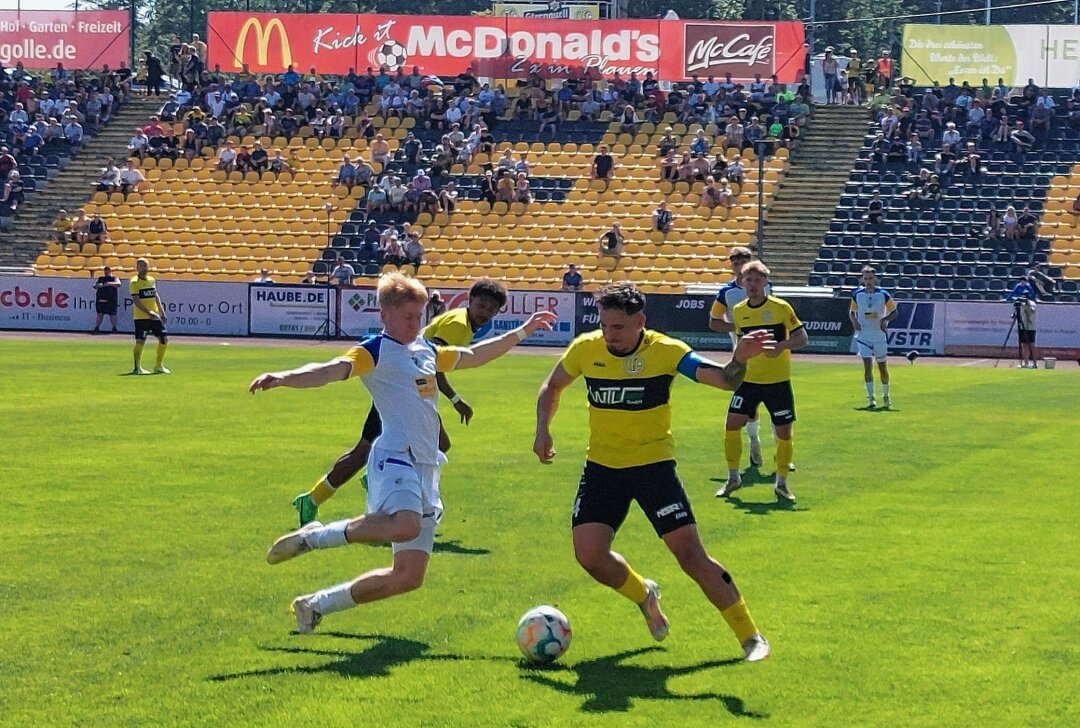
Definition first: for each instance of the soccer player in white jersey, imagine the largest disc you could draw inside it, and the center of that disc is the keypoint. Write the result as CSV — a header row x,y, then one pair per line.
x,y
871,310
398,367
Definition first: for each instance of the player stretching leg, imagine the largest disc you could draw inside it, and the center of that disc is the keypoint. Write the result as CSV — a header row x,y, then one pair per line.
x,y
720,321
398,368
768,378
871,310
628,372
459,327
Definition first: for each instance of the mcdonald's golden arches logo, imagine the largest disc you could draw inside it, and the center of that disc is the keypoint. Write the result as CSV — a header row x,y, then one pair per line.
x,y
262,42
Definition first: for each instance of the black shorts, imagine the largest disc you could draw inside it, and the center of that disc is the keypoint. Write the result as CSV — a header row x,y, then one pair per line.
x,y
604,496
106,308
1027,336
777,398
150,326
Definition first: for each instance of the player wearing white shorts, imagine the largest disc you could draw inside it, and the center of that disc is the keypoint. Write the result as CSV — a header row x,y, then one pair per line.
x,y
871,310
398,368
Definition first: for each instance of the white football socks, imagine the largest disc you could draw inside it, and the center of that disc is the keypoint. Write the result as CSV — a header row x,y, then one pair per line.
x,y
885,391
870,389
753,429
335,599
329,536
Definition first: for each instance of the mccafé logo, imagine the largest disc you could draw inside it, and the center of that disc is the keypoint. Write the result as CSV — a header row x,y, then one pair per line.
x,y
717,49
262,42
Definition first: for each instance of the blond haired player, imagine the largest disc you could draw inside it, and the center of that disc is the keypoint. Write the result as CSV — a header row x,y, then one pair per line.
x,y
768,378
149,317
399,368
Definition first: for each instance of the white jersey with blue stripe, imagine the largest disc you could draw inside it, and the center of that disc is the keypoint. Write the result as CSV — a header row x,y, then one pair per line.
x,y
869,309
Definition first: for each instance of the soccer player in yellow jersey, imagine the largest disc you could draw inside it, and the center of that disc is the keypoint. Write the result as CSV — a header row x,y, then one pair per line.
x,y
768,378
149,316
628,372
460,327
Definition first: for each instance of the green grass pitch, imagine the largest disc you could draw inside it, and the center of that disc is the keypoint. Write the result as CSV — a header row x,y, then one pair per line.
x,y
929,575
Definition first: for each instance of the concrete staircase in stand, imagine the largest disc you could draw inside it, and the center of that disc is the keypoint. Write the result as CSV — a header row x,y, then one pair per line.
x,y
799,214
72,187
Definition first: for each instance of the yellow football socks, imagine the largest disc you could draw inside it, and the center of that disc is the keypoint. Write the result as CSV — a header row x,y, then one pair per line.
x,y
138,353
783,456
160,355
738,618
733,447
322,491
634,589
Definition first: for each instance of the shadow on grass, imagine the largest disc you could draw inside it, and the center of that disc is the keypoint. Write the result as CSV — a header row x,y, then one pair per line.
x,y
448,547
876,410
750,477
607,684
377,660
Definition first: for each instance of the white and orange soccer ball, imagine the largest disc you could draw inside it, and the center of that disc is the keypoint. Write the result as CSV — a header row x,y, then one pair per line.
x,y
543,634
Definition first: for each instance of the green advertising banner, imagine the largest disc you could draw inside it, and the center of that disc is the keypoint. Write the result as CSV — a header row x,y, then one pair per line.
x,y
1047,54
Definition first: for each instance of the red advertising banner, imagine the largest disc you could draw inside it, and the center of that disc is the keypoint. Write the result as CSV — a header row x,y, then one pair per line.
x,y
78,39
445,45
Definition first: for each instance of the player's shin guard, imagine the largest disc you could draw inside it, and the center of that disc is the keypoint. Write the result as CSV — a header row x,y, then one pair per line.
x,y
738,618
753,429
138,353
784,450
160,355
329,536
322,491
634,588
870,388
335,599
733,448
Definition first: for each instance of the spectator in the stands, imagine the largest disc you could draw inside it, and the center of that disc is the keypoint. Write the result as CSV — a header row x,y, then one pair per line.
x,y
522,191
393,253
944,167
571,279
975,119
506,161
629,121
13,196
792,135
733,134
735,171
1042,114
279,164
950,140
1021,139
138,143
663,218
396,195
611,242
260,158
830,68
8,163
884,70
414,252
109,179
668,142
97,231
699,168
73,132
79,227
992,229
131,178
603,165
710,196
1076,205
62,228
549,119
504,188
1010,224
669,167
1027,223
227,158
243,159
448,197
380,150
972,168
346,175
264,277
933,190
700,144
343,273
377,201
875,211
914,150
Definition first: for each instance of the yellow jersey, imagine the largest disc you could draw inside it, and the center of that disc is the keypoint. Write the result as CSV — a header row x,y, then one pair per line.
x,y
778,317
452,329
629,397
144,289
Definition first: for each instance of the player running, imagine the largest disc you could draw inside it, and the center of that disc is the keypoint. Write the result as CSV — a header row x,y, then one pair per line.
x,y
459,327
399,369
628,372
768,378
149,317
871,310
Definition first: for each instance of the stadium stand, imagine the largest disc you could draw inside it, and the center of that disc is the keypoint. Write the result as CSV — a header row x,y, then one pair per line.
x,y
959,218
199,216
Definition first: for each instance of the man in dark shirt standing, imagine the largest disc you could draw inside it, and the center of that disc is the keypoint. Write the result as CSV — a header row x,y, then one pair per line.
x,y
571,280
603,166
106,286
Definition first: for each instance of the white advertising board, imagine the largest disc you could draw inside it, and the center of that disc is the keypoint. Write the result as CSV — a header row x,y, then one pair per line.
x,y
979,329
290,310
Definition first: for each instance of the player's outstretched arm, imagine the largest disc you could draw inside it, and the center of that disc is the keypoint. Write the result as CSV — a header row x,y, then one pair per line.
x,y
486,351
309,375
730,376
721,326
547,403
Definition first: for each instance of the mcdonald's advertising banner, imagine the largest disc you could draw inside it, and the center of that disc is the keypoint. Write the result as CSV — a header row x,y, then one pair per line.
x,y
1049,54
79,39
504,47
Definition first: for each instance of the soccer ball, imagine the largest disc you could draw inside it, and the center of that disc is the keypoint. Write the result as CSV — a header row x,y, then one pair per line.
x,y
543,634
392,55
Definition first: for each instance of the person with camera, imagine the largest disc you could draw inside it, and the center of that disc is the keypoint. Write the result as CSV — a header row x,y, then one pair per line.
x,y
1023,297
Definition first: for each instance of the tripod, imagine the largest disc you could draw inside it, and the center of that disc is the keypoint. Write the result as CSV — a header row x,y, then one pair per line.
x,y
325,330
1017,323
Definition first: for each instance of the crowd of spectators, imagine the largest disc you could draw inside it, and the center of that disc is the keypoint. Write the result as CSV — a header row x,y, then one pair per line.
x,y
50,113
